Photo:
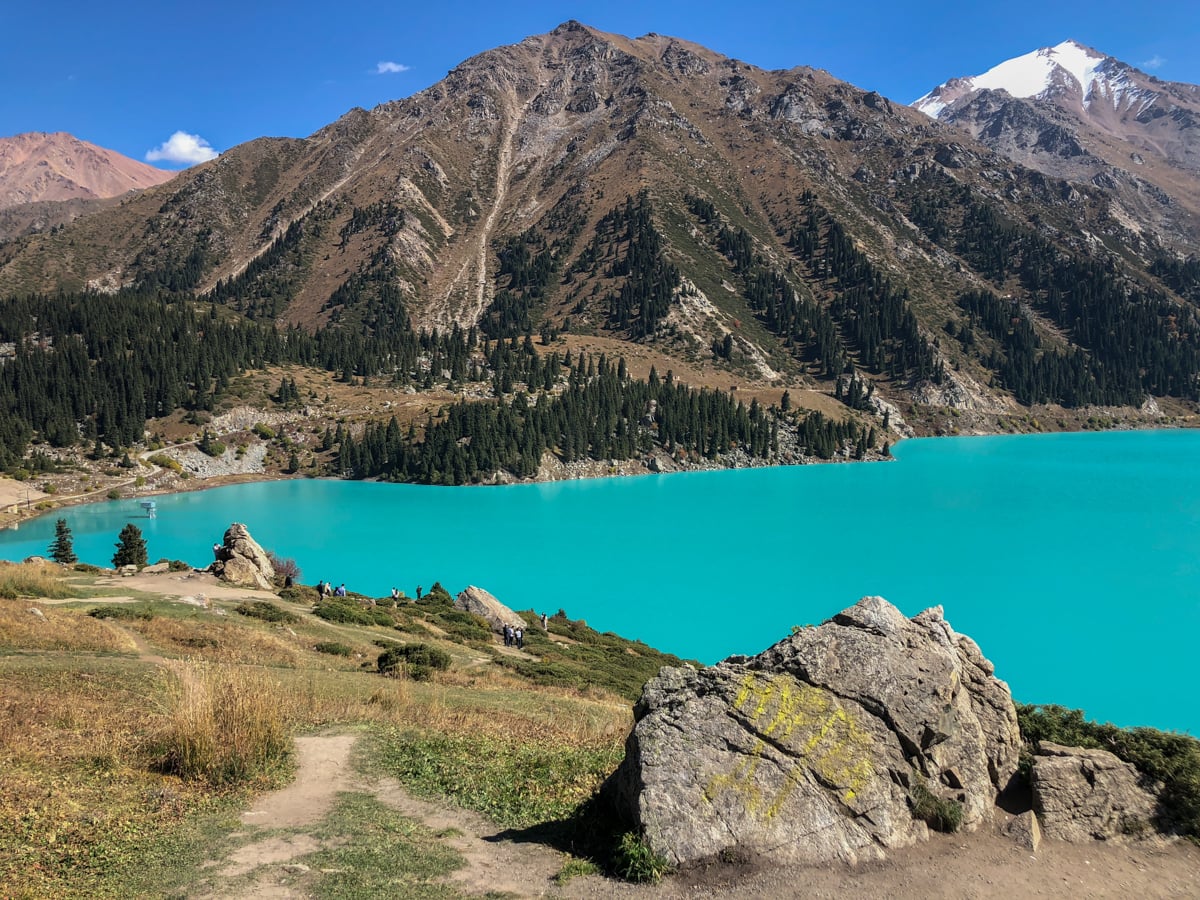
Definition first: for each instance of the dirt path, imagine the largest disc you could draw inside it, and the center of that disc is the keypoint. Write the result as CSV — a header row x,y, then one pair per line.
x,y
979,865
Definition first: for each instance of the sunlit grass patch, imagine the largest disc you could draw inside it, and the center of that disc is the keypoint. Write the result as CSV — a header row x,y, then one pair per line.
x,y
33,580
52,628
205,636
381,854
516,779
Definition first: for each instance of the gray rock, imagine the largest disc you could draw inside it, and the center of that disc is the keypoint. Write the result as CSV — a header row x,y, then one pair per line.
x,y
1025,831
157,569
1080,795
808,752
479,602
241,561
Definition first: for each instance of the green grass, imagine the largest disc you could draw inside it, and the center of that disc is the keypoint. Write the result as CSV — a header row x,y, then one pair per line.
x,y
517,780
379,854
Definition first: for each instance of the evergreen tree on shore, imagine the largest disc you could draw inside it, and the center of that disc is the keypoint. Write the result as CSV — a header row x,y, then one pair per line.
x,y
131,548
62,548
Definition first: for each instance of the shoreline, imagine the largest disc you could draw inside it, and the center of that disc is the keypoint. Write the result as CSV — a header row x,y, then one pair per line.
x,y
13,493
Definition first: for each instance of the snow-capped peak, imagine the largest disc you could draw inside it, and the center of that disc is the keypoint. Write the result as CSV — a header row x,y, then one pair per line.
x,y
1033,75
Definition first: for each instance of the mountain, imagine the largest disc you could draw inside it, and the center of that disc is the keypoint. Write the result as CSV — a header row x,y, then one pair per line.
x,y
38,167
1073,112
650,195
49,179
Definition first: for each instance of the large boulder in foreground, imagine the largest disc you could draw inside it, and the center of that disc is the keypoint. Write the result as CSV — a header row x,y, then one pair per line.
x,y
479,602
816,749
1084,794
242,561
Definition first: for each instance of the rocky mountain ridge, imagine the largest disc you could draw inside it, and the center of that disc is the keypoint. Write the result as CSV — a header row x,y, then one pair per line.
x,y
1073,112
783,225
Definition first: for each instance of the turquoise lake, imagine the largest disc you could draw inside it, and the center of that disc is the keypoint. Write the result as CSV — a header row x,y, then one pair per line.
x,y
1072,559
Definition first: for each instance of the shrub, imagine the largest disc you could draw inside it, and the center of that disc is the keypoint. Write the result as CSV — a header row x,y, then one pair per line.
x,y
299,593
264,432
268,612
86,567
178,565
938,814
333,648
285,567
224,727
635,861
1167,757
418,661
121,612
114,494
348,612
165,462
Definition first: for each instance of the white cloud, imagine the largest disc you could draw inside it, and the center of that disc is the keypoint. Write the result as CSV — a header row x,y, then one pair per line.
x,y
390,68
1154,62
182,147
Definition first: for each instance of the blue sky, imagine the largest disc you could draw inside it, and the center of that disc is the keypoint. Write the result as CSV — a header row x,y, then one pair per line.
x,y
129,75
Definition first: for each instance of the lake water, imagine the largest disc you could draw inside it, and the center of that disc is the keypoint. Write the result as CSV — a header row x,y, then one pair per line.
x,y
1072,559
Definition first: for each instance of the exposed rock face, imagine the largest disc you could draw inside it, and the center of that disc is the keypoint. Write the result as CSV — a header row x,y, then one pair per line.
x,y
479,602
1024,829
241,561
807,752
1083,794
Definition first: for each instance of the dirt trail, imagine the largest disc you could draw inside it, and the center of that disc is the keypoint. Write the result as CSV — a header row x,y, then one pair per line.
x,y
980,865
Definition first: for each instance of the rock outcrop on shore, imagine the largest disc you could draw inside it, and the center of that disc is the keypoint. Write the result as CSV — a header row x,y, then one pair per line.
x,y
479,602
242,561
1081,794
819,748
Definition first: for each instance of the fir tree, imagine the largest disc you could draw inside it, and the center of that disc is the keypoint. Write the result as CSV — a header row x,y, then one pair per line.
x,y
62,549
131,548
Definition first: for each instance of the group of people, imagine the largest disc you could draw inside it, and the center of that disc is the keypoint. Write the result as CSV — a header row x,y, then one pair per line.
x,y
514,637
325,589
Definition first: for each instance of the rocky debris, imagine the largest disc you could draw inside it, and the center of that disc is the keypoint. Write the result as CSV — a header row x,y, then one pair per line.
x,y
1081,794
242,561
201,465
479,602
813,750
1025,831
34,611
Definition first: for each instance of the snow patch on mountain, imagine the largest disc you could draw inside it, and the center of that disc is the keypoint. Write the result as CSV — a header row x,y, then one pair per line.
x,y
1067,66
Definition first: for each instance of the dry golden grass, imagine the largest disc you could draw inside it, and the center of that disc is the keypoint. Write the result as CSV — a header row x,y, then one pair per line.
x,y
58,629
226,725
33,580
220,641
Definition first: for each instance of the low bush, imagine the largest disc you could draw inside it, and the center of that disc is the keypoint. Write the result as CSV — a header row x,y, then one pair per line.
x,y
299,593
121,613
1159,756
417,661
163,461
333,648
348,612
268,612
88,568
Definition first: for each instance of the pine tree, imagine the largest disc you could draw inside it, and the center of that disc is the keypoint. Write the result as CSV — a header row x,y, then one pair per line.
x,y
131,548
62,549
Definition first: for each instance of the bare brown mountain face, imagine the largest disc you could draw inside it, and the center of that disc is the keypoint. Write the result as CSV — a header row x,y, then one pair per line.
x,y
1074,113
782,224
48,179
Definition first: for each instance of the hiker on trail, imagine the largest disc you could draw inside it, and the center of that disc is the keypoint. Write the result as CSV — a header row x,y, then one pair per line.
x,y
395,595
545,623
508,635
418,592
520,636
216,551
321,590
340,590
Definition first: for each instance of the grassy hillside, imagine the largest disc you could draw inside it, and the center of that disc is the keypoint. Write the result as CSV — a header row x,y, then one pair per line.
x,y
133,728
